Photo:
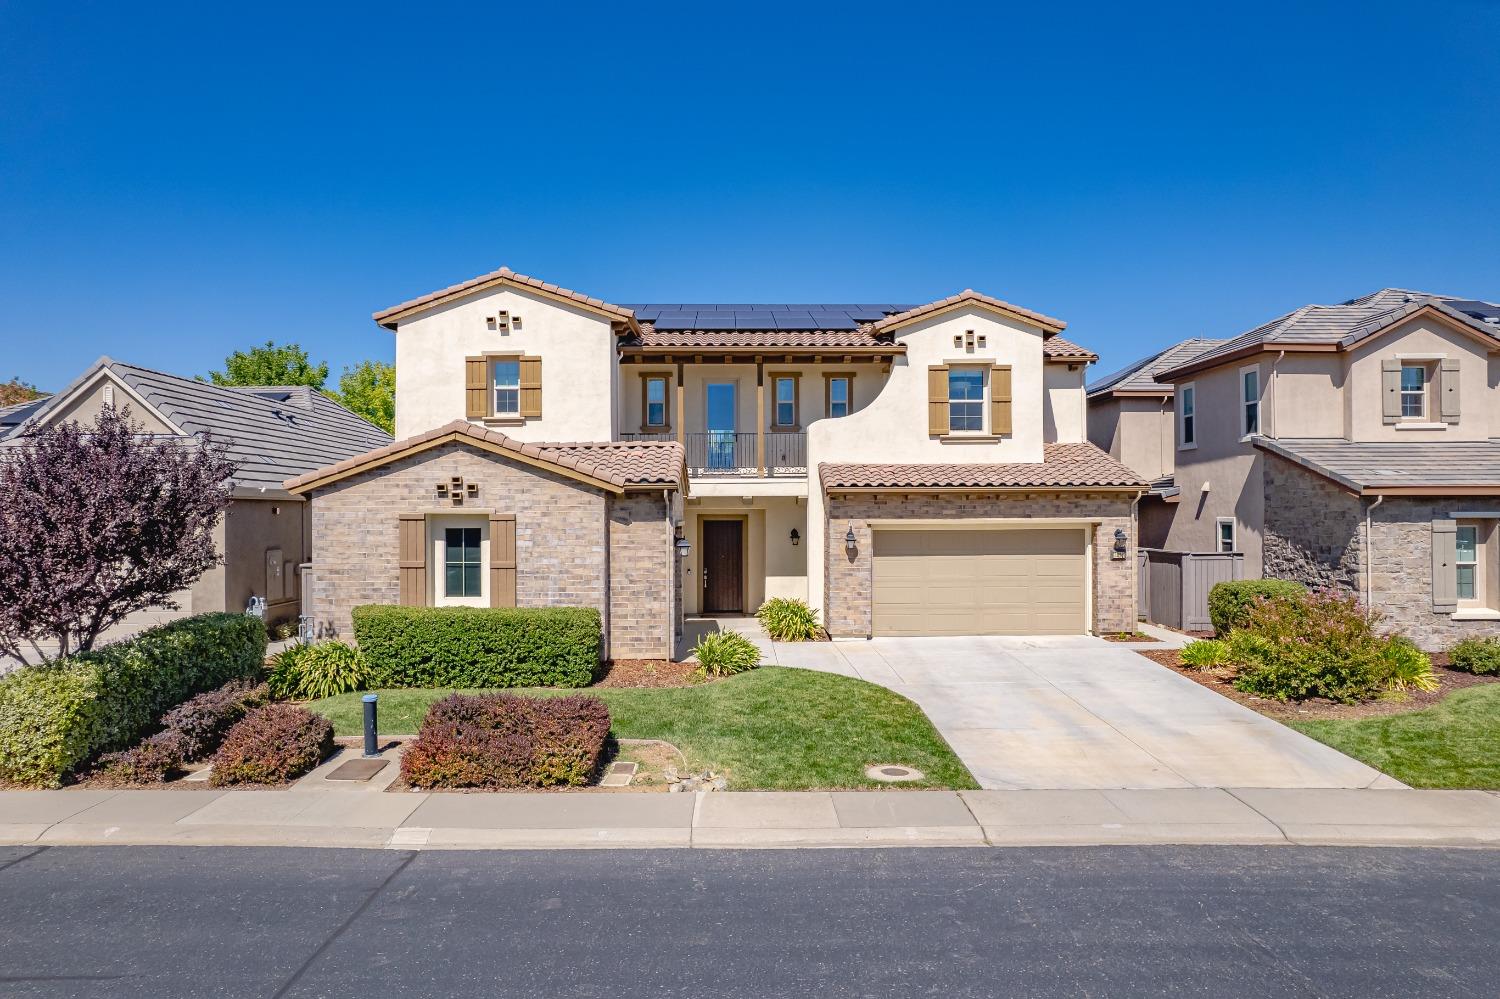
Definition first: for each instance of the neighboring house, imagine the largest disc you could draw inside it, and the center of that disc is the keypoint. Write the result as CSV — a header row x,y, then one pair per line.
x,y
906,470
271,433
1132,416
1356,445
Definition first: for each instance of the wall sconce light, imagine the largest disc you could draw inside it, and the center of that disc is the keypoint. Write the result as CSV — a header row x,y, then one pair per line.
x,y
682,546
850,542
1118,551
796,538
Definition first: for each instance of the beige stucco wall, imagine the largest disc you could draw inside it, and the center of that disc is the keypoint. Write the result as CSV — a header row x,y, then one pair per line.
x,y
1302,395
893,427
811,387
1138,432
1064,416
773,566
251,528
577,349
1427,339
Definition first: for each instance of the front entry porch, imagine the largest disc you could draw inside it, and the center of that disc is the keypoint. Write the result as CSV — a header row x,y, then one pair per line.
x,y
744,550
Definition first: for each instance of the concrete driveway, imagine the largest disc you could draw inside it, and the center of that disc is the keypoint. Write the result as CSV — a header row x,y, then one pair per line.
x,y
1080,712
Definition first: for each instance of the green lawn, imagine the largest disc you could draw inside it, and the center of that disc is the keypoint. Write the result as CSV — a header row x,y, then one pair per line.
x,y
1453,744
773,728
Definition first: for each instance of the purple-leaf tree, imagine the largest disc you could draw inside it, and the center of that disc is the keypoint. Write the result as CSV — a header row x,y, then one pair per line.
x,y
98,522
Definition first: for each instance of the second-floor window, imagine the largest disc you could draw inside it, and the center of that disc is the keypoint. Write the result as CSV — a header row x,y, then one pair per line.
x,y
1413,391
1188,416
784,388
655,415
838,396
1250,400
507,382
966,400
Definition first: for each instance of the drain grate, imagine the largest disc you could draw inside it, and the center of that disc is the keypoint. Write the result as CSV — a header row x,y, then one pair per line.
x,y
893,773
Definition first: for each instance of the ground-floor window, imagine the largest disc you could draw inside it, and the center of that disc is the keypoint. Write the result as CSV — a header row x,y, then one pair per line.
x,y
463,574
1226,534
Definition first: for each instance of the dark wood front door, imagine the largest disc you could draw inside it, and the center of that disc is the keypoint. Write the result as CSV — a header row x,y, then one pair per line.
x,y
723,566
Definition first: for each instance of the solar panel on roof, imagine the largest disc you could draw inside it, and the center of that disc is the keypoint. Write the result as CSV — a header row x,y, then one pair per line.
x,y
676,320
715,321
795,321
754,321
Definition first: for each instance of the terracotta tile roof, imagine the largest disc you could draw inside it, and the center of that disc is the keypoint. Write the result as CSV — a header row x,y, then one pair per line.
x,y
1055,348
502,276
616,464
1064,466
964,297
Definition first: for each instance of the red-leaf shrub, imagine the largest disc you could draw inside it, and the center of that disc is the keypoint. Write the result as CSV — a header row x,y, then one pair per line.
x,y
501,741
150,762
272,745
200,722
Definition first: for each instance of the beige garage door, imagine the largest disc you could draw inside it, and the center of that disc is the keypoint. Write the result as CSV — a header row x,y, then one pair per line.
x,y
996,582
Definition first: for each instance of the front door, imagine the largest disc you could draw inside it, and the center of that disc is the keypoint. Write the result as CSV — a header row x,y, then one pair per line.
x,y
723,566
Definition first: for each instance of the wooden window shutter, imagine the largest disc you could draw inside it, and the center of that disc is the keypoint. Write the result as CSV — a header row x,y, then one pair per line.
x,y
1444,566
412,545
1390,391
937,399
477,395
531,386
502,560
1448,386
1000,401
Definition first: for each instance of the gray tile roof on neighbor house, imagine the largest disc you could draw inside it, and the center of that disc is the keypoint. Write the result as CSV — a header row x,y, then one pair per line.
x,y
1140,377
273,433
1370,467
1343,325
18,413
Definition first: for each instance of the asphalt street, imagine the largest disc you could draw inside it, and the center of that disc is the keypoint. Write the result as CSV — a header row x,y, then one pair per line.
x,y
1107,922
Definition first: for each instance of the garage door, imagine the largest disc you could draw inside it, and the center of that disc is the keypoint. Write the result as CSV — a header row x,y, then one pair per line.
x,y
996,582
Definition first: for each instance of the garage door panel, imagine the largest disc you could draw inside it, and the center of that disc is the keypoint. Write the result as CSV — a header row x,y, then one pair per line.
x,y
981,582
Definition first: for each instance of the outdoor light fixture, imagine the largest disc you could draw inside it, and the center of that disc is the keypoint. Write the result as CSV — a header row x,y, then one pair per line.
x,y
1119,548
796,538
849,541
682,546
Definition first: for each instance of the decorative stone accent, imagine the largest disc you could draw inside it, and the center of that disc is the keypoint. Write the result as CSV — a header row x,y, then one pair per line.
x,y
1314,530
849,576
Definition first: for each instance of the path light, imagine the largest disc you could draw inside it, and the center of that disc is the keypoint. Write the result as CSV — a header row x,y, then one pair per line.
x,y
796,538
849,540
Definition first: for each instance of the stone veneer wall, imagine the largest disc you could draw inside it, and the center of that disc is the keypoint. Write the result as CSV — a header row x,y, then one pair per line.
x,y
1315,534
643,604
850,602
563,534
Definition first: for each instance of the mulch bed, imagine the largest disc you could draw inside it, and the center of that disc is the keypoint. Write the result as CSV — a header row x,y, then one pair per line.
x,y
647,673
1449,680
1128,636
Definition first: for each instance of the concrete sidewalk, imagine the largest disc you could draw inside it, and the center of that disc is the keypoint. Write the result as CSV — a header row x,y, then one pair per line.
x,y
334,818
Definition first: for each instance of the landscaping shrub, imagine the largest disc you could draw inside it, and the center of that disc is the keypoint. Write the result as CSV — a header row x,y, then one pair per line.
x,y
1313,645
306,672
1229,603
1403,666
1480,656
1206,655
199,723
787,619
502,741
150,762
57,717
479,646
272,745
725,653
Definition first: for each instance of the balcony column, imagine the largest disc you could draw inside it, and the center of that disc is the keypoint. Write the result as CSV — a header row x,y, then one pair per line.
x,y
681,411
760,415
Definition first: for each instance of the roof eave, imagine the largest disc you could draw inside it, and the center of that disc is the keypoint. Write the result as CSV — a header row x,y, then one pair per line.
x,y
1137,489
1265,347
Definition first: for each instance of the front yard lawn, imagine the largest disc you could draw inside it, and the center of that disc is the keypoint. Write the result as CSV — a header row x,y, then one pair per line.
x,y
769,729
1454,744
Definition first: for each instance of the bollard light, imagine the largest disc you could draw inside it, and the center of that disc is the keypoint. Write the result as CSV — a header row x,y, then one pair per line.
x,y
372,741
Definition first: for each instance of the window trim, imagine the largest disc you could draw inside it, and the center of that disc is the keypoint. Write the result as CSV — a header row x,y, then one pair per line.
x,y
1425,394
1183,392
775,378
829,377
983,402
666,410
1477,599
494,361
1245,432
1234,535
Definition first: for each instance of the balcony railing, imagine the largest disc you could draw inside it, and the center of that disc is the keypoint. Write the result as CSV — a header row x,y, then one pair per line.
x,y
729,455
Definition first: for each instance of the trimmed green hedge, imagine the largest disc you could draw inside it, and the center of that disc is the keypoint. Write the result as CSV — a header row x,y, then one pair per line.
x,y
55,718
479,646
1228,603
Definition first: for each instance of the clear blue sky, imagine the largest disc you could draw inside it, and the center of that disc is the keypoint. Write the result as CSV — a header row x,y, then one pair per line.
x,y
177,181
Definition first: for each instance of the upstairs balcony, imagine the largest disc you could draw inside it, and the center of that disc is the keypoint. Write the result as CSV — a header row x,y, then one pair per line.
x,y
740,455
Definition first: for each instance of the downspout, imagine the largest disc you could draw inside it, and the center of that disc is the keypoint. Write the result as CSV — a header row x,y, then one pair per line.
x,y
1369,575
1134,555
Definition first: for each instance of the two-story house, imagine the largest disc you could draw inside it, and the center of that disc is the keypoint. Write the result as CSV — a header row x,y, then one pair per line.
x,y
1352,445
906,470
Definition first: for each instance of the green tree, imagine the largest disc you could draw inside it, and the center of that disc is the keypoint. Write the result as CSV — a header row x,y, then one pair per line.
x,y
270,365
369,389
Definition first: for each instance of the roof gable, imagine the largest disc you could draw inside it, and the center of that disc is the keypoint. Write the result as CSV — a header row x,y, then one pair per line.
x,y
505,278
968,297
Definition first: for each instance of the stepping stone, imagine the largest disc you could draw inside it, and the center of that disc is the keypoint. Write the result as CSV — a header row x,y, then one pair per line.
x,y
618,775
357,770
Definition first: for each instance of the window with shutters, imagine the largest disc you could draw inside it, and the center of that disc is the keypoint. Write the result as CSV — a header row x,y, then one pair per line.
x,y
463,570
1466,562
1414,391
966,400
506,379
